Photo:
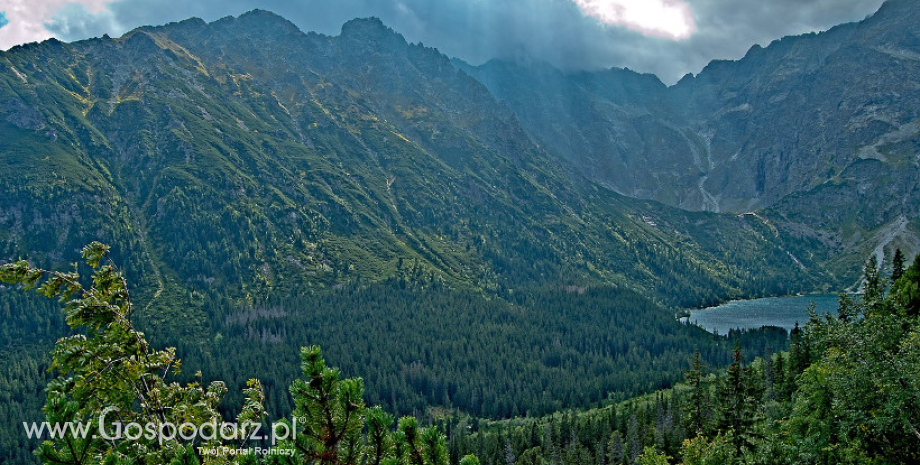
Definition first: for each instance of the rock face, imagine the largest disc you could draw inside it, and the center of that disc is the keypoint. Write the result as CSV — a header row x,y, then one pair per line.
x,y
821,129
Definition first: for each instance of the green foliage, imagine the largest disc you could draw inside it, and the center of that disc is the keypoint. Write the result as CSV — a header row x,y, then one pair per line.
x,y
108,376
266,198
855,393
330,410
232,176
858,402
701,451
906,290
738,399
855,396
332,426
847,392
697,401
873,286
571,347
610,121
109,371
650,456
469,460
897,265
227,178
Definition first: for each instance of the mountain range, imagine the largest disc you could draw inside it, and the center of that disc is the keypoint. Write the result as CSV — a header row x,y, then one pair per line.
x,y
820,130
265,188
248,156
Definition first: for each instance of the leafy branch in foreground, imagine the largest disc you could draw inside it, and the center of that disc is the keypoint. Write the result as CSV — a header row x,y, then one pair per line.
x,y
333,426
108,375
109,379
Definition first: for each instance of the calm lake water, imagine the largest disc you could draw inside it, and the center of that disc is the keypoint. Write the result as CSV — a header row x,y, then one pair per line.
x,y
776,311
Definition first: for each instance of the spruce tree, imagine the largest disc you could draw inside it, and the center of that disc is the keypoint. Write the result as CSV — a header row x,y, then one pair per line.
x,y
738,399
873,287
780,385
799,353
698,402
897,265
615,448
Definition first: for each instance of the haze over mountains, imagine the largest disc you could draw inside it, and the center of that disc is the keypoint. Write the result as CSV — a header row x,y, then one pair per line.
x,y
818,128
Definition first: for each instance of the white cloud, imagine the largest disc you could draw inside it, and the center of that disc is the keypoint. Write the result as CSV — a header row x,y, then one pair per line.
x,y
27,18
670,19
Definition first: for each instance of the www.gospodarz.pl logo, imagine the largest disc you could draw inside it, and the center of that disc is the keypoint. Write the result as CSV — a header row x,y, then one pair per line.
x,y
161,431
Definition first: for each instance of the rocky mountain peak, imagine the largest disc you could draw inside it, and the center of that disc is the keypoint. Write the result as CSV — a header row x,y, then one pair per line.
x,y
265,18
371,30
260,25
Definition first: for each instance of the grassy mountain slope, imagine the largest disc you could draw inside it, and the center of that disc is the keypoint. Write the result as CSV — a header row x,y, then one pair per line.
x,y
246,155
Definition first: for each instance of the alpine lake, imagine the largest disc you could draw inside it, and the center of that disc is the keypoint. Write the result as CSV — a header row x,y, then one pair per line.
x,y
782,312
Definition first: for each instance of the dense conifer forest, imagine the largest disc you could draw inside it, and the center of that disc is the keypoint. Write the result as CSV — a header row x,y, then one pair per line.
x,y
845,392
421,347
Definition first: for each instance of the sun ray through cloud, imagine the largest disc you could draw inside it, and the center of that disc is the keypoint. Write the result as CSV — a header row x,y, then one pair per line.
x,y
671,19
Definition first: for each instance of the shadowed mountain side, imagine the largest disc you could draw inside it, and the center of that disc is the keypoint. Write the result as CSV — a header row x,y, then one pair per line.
x,y
822,129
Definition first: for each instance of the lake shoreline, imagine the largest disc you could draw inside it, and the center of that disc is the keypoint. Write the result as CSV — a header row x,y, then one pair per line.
x,y
782,312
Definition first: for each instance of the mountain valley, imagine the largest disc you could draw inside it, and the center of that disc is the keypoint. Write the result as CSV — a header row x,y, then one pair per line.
x,y
478,242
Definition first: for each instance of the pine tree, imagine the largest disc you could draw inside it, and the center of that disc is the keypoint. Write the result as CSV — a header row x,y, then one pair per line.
x,y
698,400
873,287
108,370
897,265
651,456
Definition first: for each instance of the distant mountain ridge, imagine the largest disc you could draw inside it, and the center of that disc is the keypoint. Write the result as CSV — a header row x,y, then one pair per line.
x,y
822,130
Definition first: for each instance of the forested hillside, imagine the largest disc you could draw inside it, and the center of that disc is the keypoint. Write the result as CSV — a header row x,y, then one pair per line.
x,y
265,189
846,392
311,161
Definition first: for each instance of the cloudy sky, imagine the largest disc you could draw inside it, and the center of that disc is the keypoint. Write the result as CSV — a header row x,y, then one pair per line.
x,y
667,37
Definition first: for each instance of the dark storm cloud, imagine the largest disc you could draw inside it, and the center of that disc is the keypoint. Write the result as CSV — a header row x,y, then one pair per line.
x,y
476,30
